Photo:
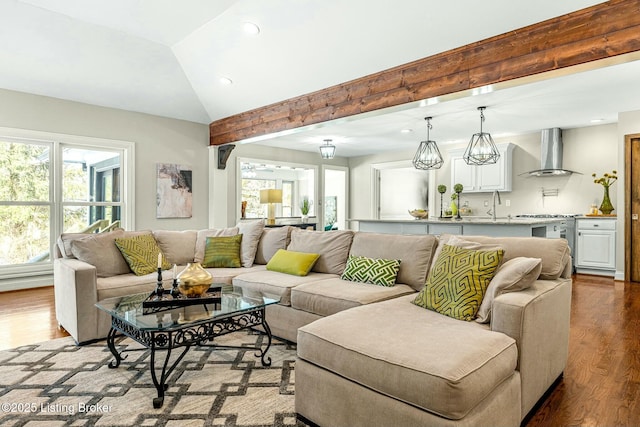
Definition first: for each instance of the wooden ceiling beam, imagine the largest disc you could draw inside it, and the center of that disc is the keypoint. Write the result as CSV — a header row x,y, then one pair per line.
x,y
602,31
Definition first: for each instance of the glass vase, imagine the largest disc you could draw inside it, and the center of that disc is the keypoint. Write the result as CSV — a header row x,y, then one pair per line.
x,y
606,207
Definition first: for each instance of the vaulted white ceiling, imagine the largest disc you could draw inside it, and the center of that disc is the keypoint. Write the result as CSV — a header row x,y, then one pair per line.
x,y
165,57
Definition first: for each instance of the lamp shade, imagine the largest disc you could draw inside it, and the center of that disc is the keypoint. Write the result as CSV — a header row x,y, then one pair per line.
x,y
271,196
328,150
481,149
428,155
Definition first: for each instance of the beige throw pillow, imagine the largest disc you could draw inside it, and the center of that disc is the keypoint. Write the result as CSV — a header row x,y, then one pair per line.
x,y
201,239
513,275
177,246
100,250
272,239
333,247
251,232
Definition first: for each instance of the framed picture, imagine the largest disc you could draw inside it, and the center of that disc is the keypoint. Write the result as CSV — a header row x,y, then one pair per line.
x,y
174,191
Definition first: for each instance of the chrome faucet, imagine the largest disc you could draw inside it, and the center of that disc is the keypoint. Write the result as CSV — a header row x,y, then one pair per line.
x,y
492,211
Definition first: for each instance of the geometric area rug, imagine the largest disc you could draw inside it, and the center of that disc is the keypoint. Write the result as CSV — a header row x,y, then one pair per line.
x,y
56,383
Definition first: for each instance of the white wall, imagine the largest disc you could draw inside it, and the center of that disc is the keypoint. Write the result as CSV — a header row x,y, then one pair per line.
x,y
157,140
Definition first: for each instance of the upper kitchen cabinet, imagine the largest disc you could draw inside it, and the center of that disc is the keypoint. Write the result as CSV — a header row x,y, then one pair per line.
x,y
486,178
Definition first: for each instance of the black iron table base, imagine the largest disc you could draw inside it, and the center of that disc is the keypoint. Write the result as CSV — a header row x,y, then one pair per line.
x,y
183,339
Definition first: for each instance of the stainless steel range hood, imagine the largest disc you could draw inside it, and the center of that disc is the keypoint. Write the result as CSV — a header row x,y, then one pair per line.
x,y
550,155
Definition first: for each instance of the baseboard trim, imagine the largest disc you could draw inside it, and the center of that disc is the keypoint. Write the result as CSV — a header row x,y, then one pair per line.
x,y
19,283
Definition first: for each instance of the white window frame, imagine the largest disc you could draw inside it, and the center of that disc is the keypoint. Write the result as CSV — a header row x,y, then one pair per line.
x,y
57,141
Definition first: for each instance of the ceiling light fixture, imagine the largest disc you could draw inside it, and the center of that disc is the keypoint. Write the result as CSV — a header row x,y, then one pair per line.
x,y
327,151
481,149
225,81
251,28
428,156
596,121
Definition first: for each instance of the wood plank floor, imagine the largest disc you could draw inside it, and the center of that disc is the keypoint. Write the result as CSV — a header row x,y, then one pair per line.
x,y
601,385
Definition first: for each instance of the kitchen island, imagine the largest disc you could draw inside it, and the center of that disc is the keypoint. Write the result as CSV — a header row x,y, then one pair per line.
x,y
477,226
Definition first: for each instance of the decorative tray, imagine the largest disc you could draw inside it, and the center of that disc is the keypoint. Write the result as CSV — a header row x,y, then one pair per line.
x,y
153,304
600,215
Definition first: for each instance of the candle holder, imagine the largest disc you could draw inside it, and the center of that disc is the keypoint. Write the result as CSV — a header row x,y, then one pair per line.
x,y
175,292
159,288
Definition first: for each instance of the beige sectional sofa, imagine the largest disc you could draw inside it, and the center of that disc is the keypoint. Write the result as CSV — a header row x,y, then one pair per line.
x,y
366,354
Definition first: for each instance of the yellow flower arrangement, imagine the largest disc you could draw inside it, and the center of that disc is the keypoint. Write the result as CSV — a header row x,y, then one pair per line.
x,y
607,179
606,207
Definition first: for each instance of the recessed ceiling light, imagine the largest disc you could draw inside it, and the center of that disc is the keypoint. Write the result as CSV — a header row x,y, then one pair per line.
x,y
596,120
251,28
225,81
406,131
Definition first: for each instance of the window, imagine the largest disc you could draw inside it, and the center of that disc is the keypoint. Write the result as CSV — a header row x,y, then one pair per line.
x,y
251,194
287,198
53,184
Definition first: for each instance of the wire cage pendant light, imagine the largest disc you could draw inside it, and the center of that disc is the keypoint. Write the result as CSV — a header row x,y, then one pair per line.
x,y
327,151
481,149
428,155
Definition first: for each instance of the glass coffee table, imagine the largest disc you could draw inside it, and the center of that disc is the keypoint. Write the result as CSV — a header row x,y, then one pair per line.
x,y
167,328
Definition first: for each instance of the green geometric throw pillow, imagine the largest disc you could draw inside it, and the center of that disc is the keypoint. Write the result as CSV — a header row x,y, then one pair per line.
x,y
223,251
141,253
458,281
381,272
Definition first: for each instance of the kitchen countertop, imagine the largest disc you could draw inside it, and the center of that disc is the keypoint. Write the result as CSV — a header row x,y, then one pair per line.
x,y
471,220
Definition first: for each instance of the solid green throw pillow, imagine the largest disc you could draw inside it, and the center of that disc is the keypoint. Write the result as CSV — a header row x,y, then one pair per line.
x,y
458,281
141,253
291,262
381,272
222,251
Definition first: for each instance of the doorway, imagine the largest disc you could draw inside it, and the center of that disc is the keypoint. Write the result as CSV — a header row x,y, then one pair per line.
x,y
632,208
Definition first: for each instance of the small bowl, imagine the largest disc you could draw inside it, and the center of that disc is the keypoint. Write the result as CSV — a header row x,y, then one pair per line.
x,y
419,213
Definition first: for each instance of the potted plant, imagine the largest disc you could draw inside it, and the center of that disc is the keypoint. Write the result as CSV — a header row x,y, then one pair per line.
x,y
606,207
305,207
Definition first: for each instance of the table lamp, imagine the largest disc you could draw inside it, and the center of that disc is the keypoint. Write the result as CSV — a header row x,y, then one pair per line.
x,y
271,197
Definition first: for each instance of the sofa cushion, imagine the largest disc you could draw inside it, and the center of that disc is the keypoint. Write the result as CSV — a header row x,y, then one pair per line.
x,y
101,251
272,239
376,271
222,251
333,247
251,232
514,275
201,239
329,296
178,246
555,253
458,281
418,356
64,243
291,262
275,283
142,253
225,275
414,253
126,284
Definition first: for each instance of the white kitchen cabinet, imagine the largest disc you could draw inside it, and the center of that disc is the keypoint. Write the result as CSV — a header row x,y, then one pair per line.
x,y
596,245
485,178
